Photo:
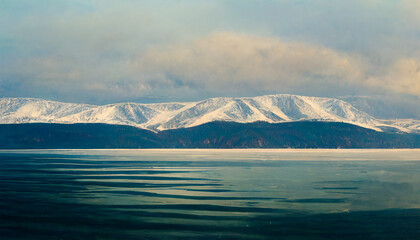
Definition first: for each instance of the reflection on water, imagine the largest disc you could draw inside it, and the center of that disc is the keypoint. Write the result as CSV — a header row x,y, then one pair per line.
x,y
213,194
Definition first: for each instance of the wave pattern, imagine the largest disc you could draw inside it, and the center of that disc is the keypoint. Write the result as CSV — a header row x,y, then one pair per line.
x,y
145,196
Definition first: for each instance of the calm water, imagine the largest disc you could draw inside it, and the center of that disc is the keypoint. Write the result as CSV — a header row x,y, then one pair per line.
x,y
210,194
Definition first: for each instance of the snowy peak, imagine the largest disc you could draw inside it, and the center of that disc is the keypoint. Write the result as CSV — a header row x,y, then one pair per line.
x,y
161,116
21,110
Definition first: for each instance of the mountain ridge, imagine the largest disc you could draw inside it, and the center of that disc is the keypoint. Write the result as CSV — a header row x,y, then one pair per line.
x,y
277,108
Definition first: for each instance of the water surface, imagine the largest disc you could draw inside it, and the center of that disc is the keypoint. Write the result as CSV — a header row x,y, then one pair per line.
x,y
210,194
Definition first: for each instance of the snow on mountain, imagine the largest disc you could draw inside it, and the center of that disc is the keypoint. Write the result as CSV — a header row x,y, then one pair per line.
x,y
23,110
162,116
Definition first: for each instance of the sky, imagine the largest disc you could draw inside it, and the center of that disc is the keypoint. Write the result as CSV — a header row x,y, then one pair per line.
x,y
105,51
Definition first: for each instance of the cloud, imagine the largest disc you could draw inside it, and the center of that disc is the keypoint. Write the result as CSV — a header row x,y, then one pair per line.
x,y
106,51
233,62
219,64
412,7
230,63
402,77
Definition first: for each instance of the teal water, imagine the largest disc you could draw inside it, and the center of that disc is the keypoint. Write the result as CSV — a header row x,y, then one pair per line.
x,y
210,194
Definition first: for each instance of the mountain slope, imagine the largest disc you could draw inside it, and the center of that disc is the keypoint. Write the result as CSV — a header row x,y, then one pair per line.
x,y
162,116
303,134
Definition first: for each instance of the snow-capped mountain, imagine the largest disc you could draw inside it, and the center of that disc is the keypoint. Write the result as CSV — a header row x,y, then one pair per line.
x,y
162,116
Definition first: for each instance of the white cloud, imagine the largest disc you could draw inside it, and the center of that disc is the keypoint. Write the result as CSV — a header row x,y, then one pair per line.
x,y
402,77
228,61
85,51
220,64
413,7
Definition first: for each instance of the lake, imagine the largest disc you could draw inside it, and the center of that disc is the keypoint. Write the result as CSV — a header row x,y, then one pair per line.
x,y
210,194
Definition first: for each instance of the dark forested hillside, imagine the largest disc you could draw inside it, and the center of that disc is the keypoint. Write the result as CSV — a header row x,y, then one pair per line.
x,y
211,135
56,136
286,135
